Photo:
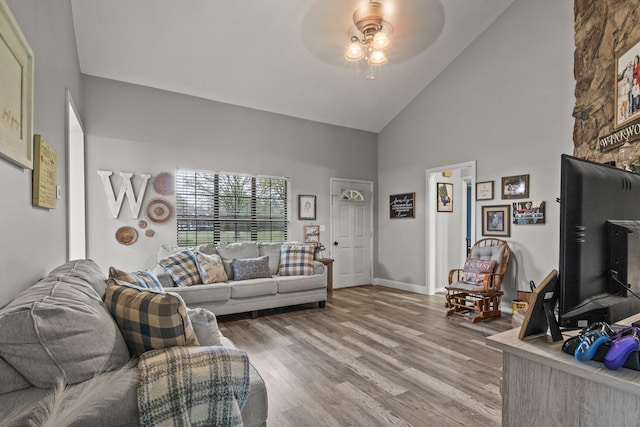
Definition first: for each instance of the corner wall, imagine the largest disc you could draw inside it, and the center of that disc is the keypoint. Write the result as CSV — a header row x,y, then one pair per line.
x,y
137,129
34,239
505,102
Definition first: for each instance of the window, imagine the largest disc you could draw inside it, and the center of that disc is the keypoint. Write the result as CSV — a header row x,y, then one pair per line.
x,y
214,207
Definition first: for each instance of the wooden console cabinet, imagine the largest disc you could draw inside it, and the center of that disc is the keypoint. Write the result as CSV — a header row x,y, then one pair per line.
x,y
542,385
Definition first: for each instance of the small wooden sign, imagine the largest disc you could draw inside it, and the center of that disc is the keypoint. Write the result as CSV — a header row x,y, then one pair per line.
x,y
402,205
44,174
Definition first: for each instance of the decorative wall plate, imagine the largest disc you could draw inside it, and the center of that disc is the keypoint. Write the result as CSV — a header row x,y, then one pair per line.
x,y
164,184
159,211
149,233
142,223
126,235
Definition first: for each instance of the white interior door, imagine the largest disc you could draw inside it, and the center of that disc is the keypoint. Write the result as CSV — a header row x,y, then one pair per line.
x,y
351,232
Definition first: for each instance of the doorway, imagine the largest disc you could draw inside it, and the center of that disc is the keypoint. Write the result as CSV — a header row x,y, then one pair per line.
x,y
351,232
76,217
449,232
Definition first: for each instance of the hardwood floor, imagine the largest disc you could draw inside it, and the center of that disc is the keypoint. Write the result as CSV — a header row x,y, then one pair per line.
x,y
374,356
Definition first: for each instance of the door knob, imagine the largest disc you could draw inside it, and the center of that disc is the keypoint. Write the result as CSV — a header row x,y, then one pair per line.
x,y
335,243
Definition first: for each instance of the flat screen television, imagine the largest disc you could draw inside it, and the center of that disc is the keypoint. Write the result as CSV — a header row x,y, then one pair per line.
x,y
597,266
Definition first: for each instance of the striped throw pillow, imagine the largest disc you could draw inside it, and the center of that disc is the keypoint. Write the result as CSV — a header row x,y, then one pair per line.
x,y
144,279
296,260
149,319
182,266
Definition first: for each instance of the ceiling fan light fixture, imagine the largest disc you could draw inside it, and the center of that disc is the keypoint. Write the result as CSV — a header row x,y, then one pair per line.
x,y
370,36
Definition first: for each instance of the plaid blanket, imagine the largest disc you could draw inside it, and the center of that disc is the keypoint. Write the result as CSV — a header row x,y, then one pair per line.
x,y
192,386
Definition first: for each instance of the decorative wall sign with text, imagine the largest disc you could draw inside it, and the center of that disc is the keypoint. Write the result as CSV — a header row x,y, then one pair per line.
x,y
44,174
402,205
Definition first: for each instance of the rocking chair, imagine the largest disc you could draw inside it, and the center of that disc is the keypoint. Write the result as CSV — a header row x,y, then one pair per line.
x,y
474,291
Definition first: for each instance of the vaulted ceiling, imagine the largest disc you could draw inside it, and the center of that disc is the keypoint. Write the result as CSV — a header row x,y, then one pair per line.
x,y
281,56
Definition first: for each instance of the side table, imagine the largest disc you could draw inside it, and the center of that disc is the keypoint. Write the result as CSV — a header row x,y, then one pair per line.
x,y
329,263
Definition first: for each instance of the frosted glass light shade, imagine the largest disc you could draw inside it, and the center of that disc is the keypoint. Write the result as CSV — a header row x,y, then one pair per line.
x,y
354,52
380,41
377,57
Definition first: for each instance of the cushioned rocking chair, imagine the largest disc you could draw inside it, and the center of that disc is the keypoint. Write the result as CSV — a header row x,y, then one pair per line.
x,y
475,290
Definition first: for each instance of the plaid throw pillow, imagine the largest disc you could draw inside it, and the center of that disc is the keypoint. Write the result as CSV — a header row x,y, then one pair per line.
x,y
182,266
296,260
475,270
149,319
144,279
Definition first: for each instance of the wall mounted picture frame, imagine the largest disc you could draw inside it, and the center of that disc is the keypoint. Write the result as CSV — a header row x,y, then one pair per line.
x,y
627,88
515,187
402,205
306,207
529,212
444,196
484,190
312,234
496,221
16,92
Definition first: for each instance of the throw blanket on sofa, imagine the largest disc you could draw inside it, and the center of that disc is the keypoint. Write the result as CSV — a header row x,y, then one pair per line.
x,y
192,386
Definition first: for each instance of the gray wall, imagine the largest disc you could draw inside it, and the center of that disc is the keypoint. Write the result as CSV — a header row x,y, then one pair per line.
x,y
506,102
34,239
142,130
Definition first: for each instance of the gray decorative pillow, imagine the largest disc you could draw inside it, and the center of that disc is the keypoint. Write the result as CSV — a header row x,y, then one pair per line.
x,y
251,268
206,326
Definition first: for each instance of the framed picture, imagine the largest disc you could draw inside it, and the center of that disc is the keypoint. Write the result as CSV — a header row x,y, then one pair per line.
x,y
528,212
445,197
307,207
312,234
484,190
16,92
515,187
402,205
495,221
627,88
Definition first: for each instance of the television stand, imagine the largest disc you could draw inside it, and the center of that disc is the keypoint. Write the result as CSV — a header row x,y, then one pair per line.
x,y
562,385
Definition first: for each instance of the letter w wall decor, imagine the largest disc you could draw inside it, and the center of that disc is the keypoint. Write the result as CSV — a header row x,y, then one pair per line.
x,y
125,189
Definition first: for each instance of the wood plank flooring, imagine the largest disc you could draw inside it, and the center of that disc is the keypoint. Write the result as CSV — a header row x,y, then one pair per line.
x,y
374,356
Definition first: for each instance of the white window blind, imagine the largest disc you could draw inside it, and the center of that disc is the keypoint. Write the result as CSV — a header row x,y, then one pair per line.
x,y
214,207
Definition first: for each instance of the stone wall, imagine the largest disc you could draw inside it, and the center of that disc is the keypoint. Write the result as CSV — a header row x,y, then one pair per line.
x,y
604,30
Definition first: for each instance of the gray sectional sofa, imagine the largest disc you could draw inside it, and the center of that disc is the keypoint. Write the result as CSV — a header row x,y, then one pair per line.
x,y
61,328
239,296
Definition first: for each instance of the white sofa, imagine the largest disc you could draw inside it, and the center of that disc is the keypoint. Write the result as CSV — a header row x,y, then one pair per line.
x,y
240,296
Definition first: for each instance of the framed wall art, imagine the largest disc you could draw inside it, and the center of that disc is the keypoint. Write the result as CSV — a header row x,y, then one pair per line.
x,y
530,212
306,207
484,190
16,92
515,187
312,234
445,197
496,221
627,88
402,205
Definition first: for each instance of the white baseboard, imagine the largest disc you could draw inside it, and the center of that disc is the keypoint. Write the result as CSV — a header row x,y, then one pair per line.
x,y
409,287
